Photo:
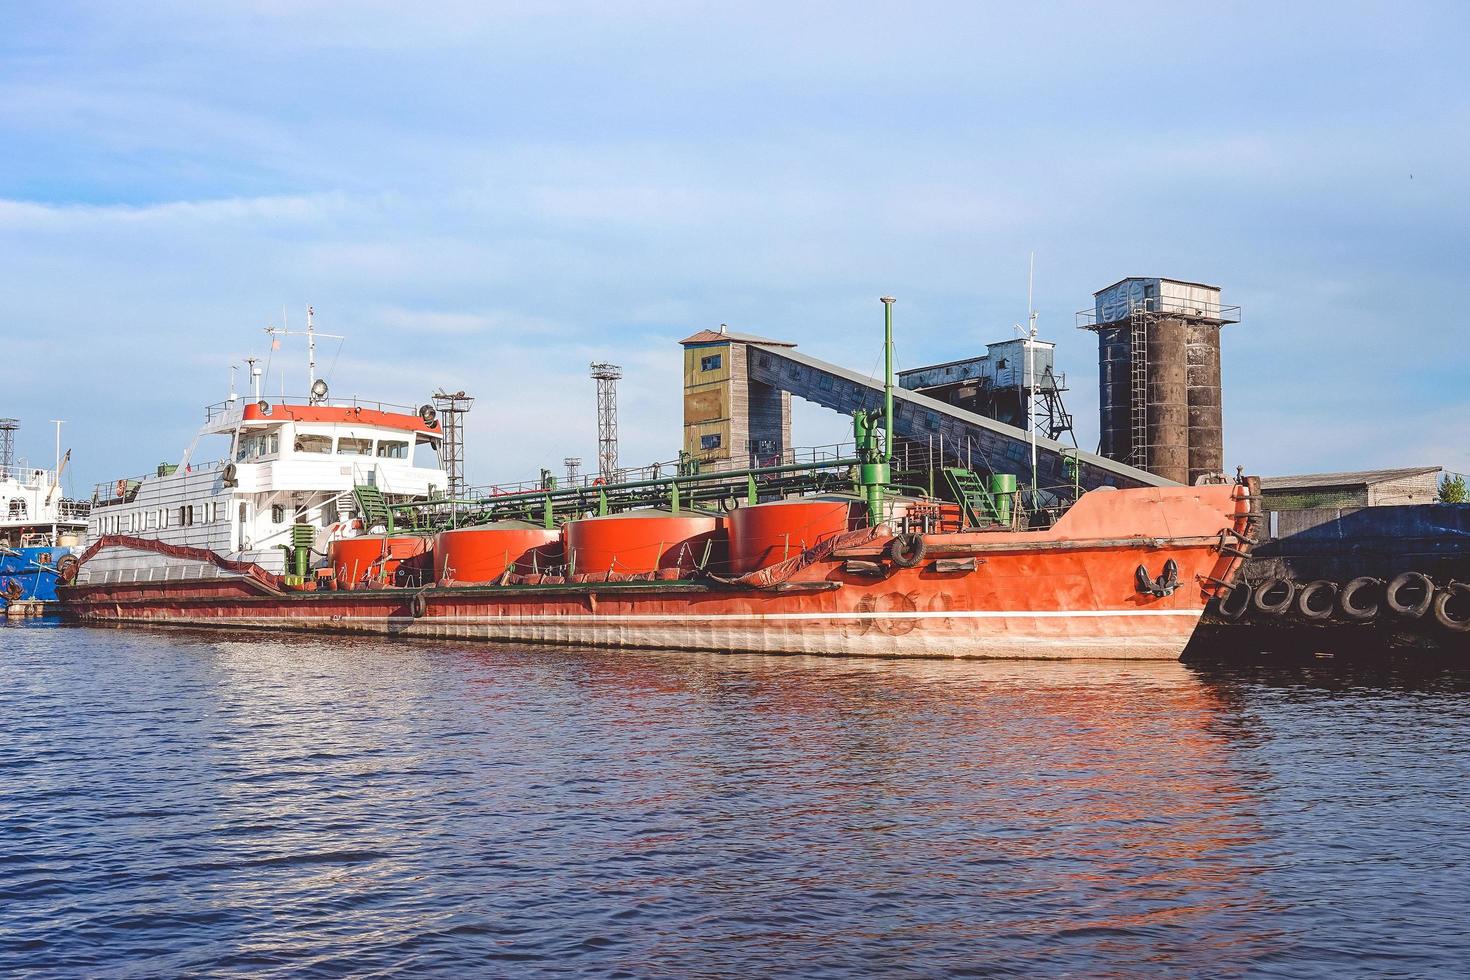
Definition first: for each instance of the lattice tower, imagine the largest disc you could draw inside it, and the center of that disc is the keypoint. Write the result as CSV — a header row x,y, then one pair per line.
x,y
7,444
452,407
607,376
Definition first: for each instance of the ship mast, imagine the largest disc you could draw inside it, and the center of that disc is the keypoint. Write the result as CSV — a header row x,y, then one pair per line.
x,y
311,336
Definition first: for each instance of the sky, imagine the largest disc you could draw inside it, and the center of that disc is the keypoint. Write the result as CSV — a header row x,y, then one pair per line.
x,y
489,196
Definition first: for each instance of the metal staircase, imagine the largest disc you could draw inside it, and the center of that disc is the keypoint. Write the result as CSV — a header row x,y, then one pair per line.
x,y
373,508
974,498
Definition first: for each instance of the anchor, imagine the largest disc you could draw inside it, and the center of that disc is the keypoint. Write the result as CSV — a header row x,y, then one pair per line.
x,y
1164,585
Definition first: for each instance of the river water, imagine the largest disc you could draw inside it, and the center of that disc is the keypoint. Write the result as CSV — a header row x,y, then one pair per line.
x,y
187,802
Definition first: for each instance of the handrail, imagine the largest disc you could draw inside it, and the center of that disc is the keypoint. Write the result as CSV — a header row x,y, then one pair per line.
x,y
220,409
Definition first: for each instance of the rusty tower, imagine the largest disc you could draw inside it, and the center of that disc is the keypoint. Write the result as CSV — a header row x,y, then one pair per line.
x,y
607,377
1159,375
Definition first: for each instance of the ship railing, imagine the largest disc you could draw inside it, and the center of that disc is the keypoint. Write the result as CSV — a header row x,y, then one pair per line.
x,y
219,410
28,476
124,490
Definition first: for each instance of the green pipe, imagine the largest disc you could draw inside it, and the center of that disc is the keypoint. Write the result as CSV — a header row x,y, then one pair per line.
x,y
887,302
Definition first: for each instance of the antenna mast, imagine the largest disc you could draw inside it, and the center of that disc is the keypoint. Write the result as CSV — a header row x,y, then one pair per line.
x,y
311,336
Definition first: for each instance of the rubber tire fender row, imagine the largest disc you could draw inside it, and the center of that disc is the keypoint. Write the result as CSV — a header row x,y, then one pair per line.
x,y
1400,591
1317,600
907,550
1235,603
1349,600
1451,619
1274,596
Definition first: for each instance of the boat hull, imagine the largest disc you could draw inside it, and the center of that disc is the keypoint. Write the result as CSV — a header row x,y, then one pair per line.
x,y
1072,591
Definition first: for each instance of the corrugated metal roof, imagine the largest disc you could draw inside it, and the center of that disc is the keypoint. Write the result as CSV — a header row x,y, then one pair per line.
x,y
1360,478
1182,282
715,337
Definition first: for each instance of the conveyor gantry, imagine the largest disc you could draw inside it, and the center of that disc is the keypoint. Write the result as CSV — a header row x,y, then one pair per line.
x,y
990,444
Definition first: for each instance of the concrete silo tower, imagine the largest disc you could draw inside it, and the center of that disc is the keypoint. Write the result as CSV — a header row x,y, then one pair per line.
x,y
1159,365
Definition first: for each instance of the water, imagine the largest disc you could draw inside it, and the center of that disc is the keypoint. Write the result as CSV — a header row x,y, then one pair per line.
x,y
203,803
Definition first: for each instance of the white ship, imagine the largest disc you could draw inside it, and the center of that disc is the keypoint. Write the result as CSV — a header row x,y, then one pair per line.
x,y
257,472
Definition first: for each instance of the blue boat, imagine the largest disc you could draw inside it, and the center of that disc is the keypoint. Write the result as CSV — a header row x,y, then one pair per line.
x,y
41,531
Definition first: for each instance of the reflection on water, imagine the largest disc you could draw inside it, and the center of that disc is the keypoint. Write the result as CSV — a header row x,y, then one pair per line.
x,y
179,802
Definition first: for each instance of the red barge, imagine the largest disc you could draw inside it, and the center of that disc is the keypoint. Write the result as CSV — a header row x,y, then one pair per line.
x,y
847,565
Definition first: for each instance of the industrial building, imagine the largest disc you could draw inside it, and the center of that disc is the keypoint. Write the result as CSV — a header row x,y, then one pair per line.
x,y
730,420
1367,488
1159,374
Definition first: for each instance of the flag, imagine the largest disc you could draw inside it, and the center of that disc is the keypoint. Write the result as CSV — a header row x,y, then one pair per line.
x,y
275,343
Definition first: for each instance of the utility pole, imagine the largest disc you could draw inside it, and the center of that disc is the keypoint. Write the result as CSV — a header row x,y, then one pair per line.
x,y
56,481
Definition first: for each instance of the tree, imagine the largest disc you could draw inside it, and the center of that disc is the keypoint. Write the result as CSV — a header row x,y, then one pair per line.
x,y
1452,490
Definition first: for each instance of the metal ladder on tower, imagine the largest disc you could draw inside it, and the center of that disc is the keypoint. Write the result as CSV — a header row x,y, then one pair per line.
x,y
1138,378
976,503
374,508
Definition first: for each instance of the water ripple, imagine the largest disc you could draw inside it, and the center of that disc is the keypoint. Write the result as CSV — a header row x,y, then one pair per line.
x,y
191,803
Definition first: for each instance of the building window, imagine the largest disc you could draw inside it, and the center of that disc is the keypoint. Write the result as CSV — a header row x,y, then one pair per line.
x,y
183,516
308,443
709,442
710,363
348,446
278,514
392,450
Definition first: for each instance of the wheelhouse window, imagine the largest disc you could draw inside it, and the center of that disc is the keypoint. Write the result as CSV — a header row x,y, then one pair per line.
x,y
278,514
309,443
392,449
349,446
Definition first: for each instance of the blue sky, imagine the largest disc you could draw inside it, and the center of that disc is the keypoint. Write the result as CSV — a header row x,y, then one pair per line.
x,y
490,196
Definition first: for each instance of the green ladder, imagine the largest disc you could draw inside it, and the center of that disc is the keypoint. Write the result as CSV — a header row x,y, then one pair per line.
x,y
971,494
373,507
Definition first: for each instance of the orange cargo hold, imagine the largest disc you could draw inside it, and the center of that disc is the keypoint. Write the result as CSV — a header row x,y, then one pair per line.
x,y
483,553
766,534
373,557
644,541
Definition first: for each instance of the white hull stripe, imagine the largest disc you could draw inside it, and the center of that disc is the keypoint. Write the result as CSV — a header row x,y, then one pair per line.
x,y
767,617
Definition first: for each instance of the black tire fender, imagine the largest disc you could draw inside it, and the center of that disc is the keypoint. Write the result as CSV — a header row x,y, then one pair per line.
x,y
1361,599
1401,594
1452,608
1317,600
418,605
1274,596
1234,603
907,550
